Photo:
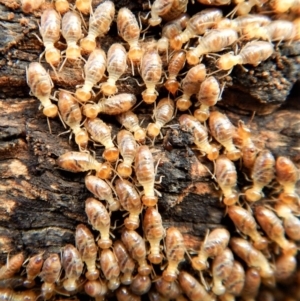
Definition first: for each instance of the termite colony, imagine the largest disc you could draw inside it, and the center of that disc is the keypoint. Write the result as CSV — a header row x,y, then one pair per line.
x,y
128,263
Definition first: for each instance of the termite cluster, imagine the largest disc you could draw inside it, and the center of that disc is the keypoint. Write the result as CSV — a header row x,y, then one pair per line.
x,y
138,256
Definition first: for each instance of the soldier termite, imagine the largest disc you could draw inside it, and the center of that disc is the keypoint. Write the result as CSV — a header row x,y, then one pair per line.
x,y
113,105
197,25
131,123
162,113
71,114
222,130
62,6
87,248
80,162
116,66
128,148
221,269
9,294
176,63
96,288
94,70
110,268
102,191
100,220
33,269
50,32
170,290
208,95
252,53
285,266
73,266
126,263
175,251
190,85
40,85
253,258
130,201
215,41
154,233
226,177
251,286
246,224
50,274
123,293
129,30
191,124
136,247
214,244
274,229
287,176
192,288
84,6
144,170
101,132
99,25
151,71
262,174
12,266
28,6
140,285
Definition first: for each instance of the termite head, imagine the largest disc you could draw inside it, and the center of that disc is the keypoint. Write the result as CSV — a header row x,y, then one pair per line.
x,y
176,43
94,275
90,110
231,199
169,276
191,58
213,155
261,243
149,97
111,154
132,223
289,198
83,95
154,21
140,136
87,45
62,6
82,139
70,285
183,104
252,195
149,201
199,264
105,243
233,155
83,6
226,61
124,171
153,130
201,114
135,54
172,85
73,52
155,259
50,111
105,172
109,89
52,56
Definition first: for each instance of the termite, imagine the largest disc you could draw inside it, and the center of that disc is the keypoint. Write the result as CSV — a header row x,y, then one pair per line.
x,y
140,284
84,6
285,266
33,269
96,288
12,266
169,290
251,286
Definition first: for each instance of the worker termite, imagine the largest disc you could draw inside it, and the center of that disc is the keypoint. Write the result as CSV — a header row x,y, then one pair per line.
x,y
291,223
28,6
190,85
116,66
222,130
249,150
226,177
253,258
287,176
33,269
96,288
110,268
208,95
191,124
99,25
73,266
94,70
262,174
12,266
62,6
252,53
100,220
140,284
274,229
124,293
154,233
131,123
40,85
101,132
101,190
151,71
144,170
126,263
71,114
136,247
11,295
170,290
197,25
221,269
285,266
163,113
71,31
175,251
246,224
251,286
234,283
50,32
50,274
130,201
84,6
128,148
87,248
214,244
80,162
113,105
176,63
215,41
192,288
129,30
